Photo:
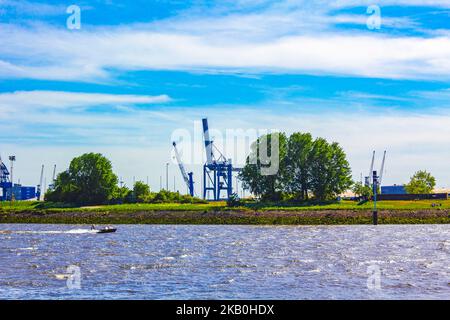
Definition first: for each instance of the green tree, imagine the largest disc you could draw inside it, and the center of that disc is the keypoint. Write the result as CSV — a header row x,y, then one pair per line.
x,y
262,172
305,167
141,191
330,172
89,180
122,195
339,171
421,182
362,190
296,168
319,161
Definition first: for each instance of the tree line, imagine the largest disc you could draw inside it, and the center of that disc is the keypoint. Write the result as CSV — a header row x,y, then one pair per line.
x,y
306,168
90,180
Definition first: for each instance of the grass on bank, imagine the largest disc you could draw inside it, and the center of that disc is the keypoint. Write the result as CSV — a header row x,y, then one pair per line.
x,y
31,206
352,205
35,206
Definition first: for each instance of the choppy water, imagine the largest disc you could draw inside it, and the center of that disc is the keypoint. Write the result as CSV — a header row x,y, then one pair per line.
x,y
226,262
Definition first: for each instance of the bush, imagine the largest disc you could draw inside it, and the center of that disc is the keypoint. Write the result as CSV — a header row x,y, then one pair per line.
x,y
165,196
122,195
88,181
422,182
141,192
234,201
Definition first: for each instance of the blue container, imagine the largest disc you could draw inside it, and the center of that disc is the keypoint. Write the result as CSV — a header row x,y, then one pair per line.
x,y
27,193
20,193
393,189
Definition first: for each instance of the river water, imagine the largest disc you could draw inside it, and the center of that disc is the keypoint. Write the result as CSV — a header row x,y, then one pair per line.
x,y
225,262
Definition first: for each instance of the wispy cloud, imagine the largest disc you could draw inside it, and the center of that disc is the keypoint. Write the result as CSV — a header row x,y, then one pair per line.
x,y
56,54
57,113
23,7
21,100
283,37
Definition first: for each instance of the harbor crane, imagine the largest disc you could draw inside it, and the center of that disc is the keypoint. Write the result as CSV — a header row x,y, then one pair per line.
x,y
187,176
10,191
52,185
4,173
5,183
217,171
368,182
382,168
369,179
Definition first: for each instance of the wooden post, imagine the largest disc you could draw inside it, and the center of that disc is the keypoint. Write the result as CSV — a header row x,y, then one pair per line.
x,y
375,191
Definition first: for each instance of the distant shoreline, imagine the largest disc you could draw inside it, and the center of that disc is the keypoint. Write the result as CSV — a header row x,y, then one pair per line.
x,y
229,217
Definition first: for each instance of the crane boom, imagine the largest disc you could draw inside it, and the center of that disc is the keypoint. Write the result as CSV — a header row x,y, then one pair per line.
x,y
54,174
51,186
208,142
382,167
180,164
40,187
371,168
187,177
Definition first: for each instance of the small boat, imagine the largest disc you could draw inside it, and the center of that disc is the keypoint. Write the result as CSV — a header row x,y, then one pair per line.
x,y
106,230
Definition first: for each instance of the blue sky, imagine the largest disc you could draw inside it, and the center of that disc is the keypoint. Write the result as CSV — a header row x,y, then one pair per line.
x,y
138,71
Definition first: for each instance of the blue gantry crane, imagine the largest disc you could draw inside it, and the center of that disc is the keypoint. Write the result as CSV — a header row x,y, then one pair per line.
x,y
5,183
187,176
217,171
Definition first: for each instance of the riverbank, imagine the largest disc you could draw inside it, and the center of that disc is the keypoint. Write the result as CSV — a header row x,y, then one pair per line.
x,y
345,212
312,217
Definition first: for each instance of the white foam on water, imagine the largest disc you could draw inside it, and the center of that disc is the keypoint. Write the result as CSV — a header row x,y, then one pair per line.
x,y
81,231
73,231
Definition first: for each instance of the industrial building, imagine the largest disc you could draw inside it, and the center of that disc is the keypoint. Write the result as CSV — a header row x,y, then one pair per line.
x,y
10,191
395,189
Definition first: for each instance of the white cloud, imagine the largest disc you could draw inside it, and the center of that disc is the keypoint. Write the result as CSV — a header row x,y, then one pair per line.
x,y
59,117
39,100
381,3
284,37
88,54
398,23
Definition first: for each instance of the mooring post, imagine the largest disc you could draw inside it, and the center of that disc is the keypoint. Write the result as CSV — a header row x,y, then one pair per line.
x,y
375,191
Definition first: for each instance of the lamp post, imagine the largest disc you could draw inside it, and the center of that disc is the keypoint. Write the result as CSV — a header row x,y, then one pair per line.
x,y
375,191
167,176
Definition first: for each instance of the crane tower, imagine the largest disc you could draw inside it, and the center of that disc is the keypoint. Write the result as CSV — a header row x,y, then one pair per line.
x,y
217,171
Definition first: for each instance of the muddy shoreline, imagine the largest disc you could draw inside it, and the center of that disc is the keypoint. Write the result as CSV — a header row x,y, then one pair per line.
x,y
279,217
